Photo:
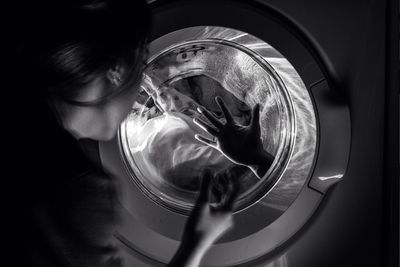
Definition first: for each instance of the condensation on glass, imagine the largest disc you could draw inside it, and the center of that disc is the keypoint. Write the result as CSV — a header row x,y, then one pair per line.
x,y
189,68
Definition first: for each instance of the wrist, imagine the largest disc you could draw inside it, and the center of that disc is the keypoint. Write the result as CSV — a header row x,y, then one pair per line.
x,y
263,157
261,162
190,252
196,242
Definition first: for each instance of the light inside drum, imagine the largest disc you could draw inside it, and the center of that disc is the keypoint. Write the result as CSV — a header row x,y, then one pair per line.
x,y
162,155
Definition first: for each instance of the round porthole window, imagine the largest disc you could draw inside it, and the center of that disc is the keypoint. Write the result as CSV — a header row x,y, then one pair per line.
x,y
157,139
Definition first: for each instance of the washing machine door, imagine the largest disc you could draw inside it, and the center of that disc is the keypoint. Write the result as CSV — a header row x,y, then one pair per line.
x,y
246,54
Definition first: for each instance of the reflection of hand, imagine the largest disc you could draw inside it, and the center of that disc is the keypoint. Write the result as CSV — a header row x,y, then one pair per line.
x,y
207,222
241,144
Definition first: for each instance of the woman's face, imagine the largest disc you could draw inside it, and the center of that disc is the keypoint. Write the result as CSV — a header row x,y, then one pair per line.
x,y
101,121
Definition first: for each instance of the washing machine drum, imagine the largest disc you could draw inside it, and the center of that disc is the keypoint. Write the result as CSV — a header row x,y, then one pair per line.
x,y
159,161
166,160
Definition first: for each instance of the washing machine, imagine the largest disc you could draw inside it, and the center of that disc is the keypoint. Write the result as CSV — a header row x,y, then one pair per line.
x,y
317,69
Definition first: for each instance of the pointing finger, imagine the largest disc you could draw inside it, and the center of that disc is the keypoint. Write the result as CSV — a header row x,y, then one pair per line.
x,y
204,125
205,140
205,185
210,117
224,109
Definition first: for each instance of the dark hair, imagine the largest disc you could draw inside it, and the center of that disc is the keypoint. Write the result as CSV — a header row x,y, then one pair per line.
x,y
61,46
67,44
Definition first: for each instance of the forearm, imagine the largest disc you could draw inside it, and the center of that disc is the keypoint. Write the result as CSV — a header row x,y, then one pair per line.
x,y
261,163
189,253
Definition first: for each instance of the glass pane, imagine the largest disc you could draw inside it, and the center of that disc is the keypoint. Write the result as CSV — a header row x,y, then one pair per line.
x,y
164,158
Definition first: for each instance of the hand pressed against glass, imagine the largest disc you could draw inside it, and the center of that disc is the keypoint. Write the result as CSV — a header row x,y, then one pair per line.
x,y
208,221
240,143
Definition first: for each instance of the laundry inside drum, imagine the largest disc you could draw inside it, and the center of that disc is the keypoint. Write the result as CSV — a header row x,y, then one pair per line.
x,y
165,160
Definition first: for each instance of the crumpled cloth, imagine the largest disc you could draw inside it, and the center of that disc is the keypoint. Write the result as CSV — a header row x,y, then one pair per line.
x,y
165,150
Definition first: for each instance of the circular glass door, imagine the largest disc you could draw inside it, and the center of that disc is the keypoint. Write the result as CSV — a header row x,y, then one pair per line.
x,y
162,155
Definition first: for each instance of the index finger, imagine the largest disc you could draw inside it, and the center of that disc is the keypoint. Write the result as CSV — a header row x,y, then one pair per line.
x,y
224,109
230,192
231,195
205,185
210,117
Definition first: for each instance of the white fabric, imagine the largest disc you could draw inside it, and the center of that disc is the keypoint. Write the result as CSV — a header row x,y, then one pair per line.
x,y
167,150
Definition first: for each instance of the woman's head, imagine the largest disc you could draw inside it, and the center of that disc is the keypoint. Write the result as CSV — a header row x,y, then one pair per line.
x,y
86,58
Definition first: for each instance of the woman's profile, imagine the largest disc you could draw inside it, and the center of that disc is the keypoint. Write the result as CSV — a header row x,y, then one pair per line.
x,y
81,65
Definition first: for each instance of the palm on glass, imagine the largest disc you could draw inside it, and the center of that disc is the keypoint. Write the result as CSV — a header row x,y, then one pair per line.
x,y
239,143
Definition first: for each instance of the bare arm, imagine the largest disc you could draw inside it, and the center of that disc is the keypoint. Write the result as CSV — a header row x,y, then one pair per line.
x,y
206,224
